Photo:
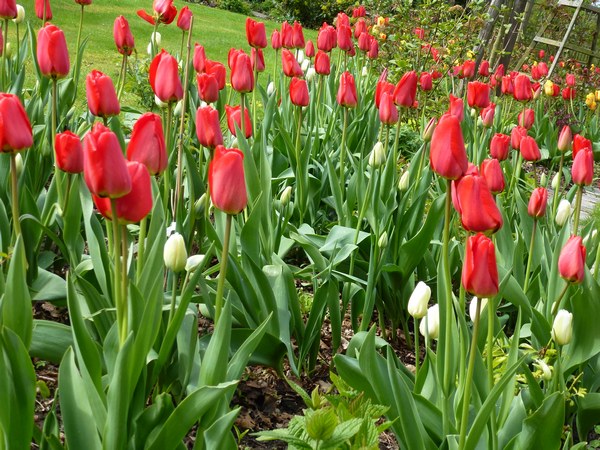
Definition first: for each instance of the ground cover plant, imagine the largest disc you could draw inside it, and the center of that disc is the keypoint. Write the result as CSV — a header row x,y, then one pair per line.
x,y
200,213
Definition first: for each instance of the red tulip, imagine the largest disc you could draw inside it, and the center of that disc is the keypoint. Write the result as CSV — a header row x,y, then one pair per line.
x,y
542,69
134,206
344,38
478,94
388,112
257,59
15,128
165,10
516,136
287,35
322,64
184,20
570,80
529,149
234,118
571,262
373,52
499,73
499,146
565,139
276,40
381,87
104,166
256,33
522,88
291,68
327,38
232,56
541,54
299,92
535,72
475,203
448,157
579,143
359,11
480,272
508,86
52,53
583,167
164,78
147,143
309,49
568,93
297,35
360,27
43,10
123,37
492,172
226,180
8,9
457,108
468,69
342,19
101,96
68,152
538,202
199,60
419,32
425,81
208,127
242,78
364,42
346,95
208,87
526,118
406,90
83,2
484,68
487,115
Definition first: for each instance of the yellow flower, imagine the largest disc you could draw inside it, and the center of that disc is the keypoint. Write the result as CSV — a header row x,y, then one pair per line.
x,y
383,36
381,21
470,54
597,95
549,87
590,99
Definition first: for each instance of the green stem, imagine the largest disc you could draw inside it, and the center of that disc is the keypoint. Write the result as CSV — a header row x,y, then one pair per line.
x,y
152,40
2,72
122,76
223,270
76,67
417,349
577,209
397,138
256,73
558,301
467,392
167,177
117,271
530,257
53,116
68,193
243,114
15,196
449,310
141,248
557,190
275,67
18,45
343,157
491,308
299,168
173,296
124,281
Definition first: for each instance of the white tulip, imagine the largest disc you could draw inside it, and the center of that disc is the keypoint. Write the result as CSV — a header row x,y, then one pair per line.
x,y
20,14
270,88
310,74
404,181
430,326
377,156
175,254
473,307
417,303
562,327
193,262
563,212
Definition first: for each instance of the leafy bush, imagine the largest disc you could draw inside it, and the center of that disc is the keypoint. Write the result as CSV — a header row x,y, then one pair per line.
x,y
238,6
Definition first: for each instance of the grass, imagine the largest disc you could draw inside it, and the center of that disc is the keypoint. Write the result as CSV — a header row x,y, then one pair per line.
x,y
215,29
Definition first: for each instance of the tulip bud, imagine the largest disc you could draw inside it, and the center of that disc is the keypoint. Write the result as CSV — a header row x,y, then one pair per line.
x,y
428,130
20,15
563,212
175,254
546,371
193,262
417,303
300,57
156,38
562,327
305,65
544,180
554,183
364,72
383,240
431,325
270,88
377,157
404,181
310,74
200,205
178,108
19,164
286,196
473,307
160,103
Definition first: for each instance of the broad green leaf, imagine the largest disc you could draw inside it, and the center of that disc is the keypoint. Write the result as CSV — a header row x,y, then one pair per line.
x,y
543,428
50,340
16,305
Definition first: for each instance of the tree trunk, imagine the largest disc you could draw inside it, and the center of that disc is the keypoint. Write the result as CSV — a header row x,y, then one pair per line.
x,y
511,36
488,30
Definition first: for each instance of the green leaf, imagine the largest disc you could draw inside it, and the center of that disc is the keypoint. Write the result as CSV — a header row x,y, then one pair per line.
x,y
16,306
543,428
342,433
321,424
216,357
588,413
50,340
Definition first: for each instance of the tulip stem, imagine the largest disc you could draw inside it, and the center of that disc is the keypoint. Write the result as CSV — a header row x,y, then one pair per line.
x,y
186,82
54,114
153,40
417,349
124,281
467,393
141,248
18,45
256,73
2,72
448,307
343,158
122,76
275,68
15,196
491,309
173,296
223,270
530,257
78,55
68,193
167,178
558,301
243,113
117,270
299,168
577,209
557,189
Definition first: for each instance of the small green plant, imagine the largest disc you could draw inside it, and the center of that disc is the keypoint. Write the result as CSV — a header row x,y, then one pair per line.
x,y
342,420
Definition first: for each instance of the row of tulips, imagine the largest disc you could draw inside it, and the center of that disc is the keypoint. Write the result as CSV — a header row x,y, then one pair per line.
x,y
132,352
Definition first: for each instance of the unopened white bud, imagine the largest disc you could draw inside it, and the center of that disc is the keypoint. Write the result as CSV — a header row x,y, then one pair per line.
x,y
20,14
543,180
300,57
178,108
270,88
544,368
417,303
156,37
175,254
193,262
364,72
473,307
563,212
286,195
377,156
404,181
430,326
562,327
555,181
305,65
310,74
160,103
383,240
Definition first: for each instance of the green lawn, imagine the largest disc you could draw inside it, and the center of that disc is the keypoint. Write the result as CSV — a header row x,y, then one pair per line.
x,y
215,29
